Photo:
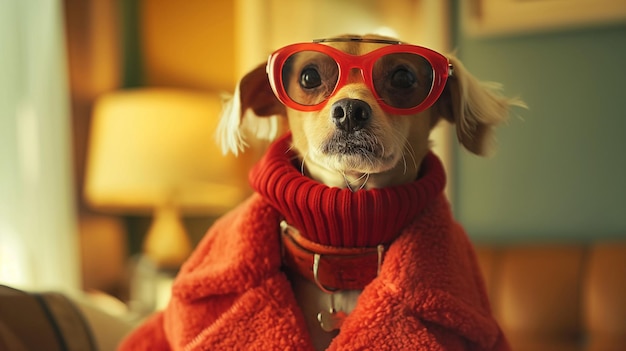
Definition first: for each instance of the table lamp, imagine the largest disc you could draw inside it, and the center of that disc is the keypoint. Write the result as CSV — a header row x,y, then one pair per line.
x,y
154,151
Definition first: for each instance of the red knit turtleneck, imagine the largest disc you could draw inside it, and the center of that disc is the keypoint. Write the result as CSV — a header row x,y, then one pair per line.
x,y
340,217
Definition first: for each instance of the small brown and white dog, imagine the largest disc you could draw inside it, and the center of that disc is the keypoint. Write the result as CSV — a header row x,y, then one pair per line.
x,y
360,110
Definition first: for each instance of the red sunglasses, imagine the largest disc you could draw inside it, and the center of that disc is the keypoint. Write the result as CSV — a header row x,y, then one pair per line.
x,y
405,79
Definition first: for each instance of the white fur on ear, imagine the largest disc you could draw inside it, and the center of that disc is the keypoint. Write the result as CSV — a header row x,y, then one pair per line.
x,y
236,126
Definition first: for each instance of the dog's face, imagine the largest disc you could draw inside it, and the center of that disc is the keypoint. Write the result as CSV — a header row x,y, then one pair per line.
x,y
348,139
352,141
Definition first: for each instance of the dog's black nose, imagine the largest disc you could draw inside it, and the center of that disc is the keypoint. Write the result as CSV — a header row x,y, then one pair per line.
x,y
351,114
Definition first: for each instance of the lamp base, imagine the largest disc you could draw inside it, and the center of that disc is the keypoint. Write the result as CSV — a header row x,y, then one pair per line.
x,y
167,243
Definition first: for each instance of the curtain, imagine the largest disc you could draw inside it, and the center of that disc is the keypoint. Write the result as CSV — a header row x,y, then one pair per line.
x,y
38,231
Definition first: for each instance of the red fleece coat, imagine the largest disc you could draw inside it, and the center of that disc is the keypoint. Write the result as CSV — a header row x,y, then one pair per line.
x,y
232,295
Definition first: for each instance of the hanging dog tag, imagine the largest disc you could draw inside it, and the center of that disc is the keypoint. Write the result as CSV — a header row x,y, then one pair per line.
x,y
331,320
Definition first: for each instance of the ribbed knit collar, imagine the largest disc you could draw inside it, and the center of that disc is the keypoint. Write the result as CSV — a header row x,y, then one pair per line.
x,y
340,217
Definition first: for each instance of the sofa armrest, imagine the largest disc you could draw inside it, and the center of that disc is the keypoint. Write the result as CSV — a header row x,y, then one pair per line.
x,y
53,321
558,296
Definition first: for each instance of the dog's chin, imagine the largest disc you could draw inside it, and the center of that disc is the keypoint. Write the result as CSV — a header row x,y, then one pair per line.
x,y
360,152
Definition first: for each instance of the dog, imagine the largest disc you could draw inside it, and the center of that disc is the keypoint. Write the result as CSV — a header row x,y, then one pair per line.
x,y
353,115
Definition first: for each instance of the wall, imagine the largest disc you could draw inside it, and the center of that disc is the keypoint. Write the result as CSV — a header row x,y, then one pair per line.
x,y
559,170
266,25
188,44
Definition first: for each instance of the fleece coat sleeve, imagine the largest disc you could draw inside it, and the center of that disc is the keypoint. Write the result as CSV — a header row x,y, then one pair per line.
x,y
231,293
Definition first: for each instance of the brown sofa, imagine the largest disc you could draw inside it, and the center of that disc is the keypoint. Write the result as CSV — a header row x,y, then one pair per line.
x,y
558,296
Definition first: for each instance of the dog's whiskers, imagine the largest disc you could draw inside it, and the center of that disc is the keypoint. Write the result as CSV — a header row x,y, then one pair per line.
x,y
302,163
349,184
406,149
345,179
404,163
409,148
367,177
382,146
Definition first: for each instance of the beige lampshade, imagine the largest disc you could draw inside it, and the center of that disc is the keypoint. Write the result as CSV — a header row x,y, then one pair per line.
x,y
153,151
149,147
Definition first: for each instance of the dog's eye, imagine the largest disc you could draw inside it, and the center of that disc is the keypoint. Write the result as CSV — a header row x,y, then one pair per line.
x,y
310,78
402,78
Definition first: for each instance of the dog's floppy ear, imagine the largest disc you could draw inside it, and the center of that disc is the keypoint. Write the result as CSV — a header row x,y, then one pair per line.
x,y
253,98
475,107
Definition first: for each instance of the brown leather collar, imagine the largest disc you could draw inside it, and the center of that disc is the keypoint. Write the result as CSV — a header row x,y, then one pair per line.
x,y
331,268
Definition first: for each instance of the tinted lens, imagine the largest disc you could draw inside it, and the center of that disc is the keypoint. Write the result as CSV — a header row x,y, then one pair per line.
x,y
309,77
402,80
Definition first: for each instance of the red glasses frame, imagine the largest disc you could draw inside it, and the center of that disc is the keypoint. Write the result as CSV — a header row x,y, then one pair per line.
x,y
442,69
